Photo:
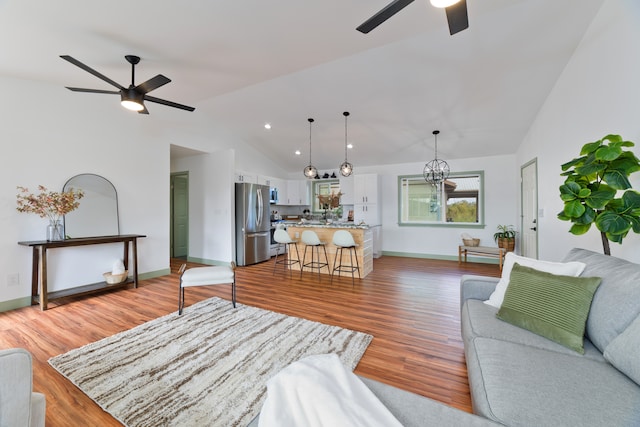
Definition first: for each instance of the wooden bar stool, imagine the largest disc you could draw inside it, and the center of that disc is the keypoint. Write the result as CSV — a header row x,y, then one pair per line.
x,y
203,276
342,240
284,240
311,240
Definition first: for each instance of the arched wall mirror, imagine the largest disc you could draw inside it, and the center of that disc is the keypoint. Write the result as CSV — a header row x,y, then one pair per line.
x,y
97,214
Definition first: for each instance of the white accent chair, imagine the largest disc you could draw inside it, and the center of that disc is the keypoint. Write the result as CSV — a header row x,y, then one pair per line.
x,y
204,276
19,404
284,240
342,240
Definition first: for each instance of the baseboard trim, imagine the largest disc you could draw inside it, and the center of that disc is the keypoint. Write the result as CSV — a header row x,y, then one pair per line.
x,y
154,274
481,260
14,304
207,261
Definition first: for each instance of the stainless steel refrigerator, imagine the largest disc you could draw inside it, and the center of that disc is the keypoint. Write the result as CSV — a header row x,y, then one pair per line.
x,y
253,224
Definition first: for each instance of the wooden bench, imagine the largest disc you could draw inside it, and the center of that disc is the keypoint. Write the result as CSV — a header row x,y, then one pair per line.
x,y
486,251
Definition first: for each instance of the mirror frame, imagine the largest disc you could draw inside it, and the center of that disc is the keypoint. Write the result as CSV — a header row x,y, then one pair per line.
x,y
115,192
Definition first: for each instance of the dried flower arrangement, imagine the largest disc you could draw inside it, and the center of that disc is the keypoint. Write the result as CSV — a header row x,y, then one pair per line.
x,y
48,204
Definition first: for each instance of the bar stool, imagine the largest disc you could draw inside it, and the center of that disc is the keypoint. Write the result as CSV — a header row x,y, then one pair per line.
x,y
284,240
202,276
342,240
311,240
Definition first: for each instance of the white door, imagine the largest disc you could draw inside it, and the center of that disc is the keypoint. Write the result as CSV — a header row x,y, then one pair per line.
x,y
529,226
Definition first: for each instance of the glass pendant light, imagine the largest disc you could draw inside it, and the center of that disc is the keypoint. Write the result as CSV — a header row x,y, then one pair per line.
x,y
436,171
310,171
346,168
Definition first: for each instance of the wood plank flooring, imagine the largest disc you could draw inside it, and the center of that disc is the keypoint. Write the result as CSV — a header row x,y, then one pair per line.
x,y
410,306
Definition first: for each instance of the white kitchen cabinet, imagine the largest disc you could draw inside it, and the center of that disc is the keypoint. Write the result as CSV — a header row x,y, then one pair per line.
x,y
366,188
346,188
297,193
366,194
265,180
246,177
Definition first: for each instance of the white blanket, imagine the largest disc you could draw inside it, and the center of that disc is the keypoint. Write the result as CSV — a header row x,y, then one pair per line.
x,y
319,391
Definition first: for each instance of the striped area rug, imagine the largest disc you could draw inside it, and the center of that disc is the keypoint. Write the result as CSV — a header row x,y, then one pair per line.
x,y
207,367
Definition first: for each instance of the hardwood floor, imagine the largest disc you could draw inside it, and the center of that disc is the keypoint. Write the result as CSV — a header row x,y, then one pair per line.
x,y
410,306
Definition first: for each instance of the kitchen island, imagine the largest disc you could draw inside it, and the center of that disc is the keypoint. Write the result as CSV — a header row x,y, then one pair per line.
x,y
362,235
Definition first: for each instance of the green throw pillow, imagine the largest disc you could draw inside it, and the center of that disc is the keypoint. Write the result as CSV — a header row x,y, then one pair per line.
x,y
555,307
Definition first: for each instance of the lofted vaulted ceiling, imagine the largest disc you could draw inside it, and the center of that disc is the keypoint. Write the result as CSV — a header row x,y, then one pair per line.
x,y
246,63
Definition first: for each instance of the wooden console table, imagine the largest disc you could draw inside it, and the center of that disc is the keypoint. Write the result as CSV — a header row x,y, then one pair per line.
x,y
486,251
39,292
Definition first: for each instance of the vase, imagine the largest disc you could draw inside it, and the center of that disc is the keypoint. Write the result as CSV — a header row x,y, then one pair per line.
x,y
55,230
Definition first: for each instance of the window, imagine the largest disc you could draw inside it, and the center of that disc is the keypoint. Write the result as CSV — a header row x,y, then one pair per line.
x,y
456,202
323,188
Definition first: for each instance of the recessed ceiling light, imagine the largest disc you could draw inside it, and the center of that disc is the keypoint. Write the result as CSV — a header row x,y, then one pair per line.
x,y
349,145
267,126
297,152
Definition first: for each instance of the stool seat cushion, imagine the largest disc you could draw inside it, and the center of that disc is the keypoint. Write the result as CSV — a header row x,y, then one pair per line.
x,y
344,239
282,236
199,276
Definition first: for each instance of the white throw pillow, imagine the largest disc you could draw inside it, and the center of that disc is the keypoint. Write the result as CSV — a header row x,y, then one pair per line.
x,y
573,268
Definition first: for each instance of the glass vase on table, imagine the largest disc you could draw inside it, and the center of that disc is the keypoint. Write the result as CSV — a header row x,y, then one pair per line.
x,y
55,230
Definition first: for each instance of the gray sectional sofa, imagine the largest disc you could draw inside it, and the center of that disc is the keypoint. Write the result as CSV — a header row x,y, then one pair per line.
x,y
518,378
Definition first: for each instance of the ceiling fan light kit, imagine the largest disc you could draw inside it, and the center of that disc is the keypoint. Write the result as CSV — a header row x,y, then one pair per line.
x,y
346,168
134,96
443,3
456,10
310,171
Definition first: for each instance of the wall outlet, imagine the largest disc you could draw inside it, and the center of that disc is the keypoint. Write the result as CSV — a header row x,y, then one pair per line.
x,y
13,279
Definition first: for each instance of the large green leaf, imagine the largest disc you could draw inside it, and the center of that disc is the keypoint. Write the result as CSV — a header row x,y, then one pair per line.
x,y
570,191
590,147
587,217
616,238
574,209
631,200
612,222
612,138
617,179
635,223
608,153
573,162
584,192
590,166
599,199
579,229
626,164
562,217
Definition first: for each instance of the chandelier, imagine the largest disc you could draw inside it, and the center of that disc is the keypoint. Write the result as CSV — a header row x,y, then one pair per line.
x,y
346,168
310,171
436,171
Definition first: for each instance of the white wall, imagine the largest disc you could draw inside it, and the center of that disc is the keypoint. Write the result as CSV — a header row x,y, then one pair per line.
x,y
597,94
50,134
501,192
211,198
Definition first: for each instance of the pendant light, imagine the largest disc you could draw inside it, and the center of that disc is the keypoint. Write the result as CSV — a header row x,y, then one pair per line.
x,y
436,171
310,171
346,168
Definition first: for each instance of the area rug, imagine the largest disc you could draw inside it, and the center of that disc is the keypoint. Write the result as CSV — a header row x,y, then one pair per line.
x,y
206,367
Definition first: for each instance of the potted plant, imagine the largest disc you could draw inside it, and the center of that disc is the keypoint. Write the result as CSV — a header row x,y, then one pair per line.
x,y
591,189
505,237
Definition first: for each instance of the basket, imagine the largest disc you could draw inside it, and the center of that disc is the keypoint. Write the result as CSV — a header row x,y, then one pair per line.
x,y
471,242
114,279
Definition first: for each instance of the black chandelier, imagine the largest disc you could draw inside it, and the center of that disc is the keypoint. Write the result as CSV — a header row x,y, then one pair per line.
x,y
436,171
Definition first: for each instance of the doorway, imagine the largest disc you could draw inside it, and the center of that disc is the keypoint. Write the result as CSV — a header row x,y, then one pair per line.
x,y
529,226
179,228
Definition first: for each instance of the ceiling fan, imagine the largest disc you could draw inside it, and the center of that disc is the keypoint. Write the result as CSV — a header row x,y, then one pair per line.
x,y
134,96
456,14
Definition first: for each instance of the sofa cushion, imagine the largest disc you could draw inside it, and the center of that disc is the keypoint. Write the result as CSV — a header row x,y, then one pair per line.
x,y
616,302
573,268
623,351
479,320
519,385
553,306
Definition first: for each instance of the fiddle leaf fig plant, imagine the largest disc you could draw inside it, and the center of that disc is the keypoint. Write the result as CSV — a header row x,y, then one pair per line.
x,y
597,190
